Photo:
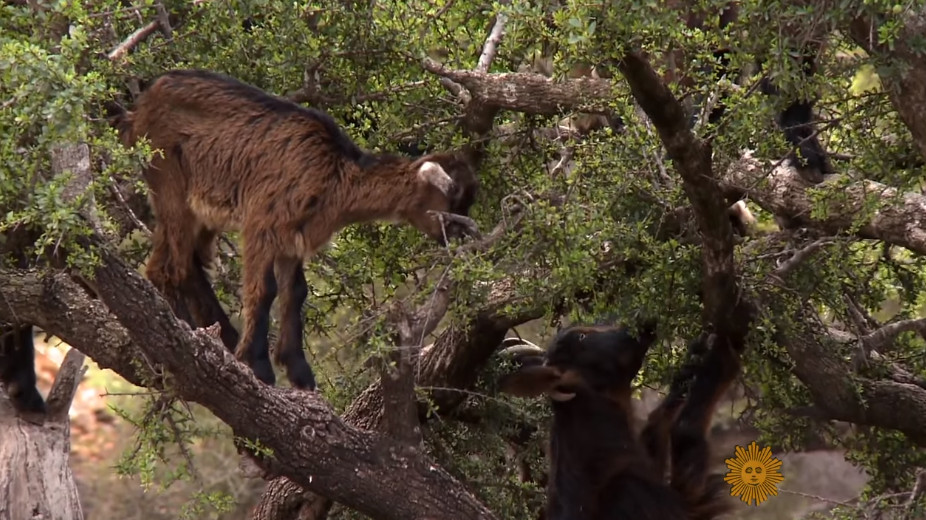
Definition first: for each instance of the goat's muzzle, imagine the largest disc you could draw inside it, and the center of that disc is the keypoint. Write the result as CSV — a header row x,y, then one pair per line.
x,y
455,226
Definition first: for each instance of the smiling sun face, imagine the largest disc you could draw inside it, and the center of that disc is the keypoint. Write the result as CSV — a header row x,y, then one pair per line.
x,y
753,474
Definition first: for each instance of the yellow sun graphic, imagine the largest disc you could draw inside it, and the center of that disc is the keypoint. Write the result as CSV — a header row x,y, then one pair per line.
x,y
753,474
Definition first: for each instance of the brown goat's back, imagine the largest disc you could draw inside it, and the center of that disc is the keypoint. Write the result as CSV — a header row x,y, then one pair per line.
x,y
238,146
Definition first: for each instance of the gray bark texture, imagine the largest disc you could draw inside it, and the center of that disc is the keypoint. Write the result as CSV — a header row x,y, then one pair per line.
x,y
36,482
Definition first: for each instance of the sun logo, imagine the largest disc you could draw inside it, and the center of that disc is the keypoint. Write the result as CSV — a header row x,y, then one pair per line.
x,y
753,474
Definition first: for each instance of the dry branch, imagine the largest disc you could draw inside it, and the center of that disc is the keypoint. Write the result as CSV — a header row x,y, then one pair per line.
x,y
133,40
527,92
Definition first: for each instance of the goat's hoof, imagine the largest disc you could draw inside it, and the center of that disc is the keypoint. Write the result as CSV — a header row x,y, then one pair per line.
x,y
27,400
300,374
263,369
302,381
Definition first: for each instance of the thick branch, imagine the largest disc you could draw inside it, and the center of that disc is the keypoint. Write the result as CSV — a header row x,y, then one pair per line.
x,y
906,83
58,305
310,444
724,310
529,93
897,218
843,396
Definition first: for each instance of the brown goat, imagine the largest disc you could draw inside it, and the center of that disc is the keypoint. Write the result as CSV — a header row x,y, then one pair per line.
x,y
287,177
601,470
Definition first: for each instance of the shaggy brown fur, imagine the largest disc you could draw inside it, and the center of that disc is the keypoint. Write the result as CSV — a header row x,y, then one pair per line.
x,y
237,158
600,470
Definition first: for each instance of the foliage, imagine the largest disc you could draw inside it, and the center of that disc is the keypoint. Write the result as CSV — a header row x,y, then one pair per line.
x,y
55,79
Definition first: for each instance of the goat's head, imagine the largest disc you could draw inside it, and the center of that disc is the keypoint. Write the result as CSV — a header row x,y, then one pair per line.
x,y
581,361
446,184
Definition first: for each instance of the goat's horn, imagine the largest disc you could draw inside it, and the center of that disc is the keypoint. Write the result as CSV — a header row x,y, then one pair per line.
x,y
519,347
513,341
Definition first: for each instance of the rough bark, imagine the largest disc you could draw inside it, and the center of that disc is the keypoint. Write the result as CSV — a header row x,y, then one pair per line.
x,y
35,475
529,93
897,218
905,84
725,311
309,443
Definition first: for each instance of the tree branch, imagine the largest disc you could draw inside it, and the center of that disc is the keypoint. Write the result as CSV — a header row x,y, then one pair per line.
x,y
724,310
881,339
310,444
897,218
62,391
133,40
799,257
841,395
400,403
527,92
490,49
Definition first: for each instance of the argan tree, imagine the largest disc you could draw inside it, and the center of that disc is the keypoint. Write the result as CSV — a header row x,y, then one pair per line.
x,y
604,195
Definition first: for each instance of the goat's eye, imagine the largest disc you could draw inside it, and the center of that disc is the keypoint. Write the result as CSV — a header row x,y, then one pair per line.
x,y
581,336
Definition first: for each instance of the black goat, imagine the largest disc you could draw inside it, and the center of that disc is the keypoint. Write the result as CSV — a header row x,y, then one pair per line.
x,y
601,470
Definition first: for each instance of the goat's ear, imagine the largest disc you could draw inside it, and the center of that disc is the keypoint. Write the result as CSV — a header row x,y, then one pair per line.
x,y
434,174
529,381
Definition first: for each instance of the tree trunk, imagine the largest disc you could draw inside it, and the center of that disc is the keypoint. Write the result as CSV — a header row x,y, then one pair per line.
x,y
35,476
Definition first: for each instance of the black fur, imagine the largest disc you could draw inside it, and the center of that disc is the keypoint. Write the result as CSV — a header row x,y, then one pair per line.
x,y
600,470
17,368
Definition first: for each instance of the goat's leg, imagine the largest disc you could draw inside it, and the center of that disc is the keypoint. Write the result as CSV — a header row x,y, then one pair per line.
x,y
200,297
656,434
17,368
260,288
690,448
173,243
288,351
169,266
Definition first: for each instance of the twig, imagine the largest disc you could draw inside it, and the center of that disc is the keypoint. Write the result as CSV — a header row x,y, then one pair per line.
x,y
114,188
133,40
490,49
881,338
799,257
